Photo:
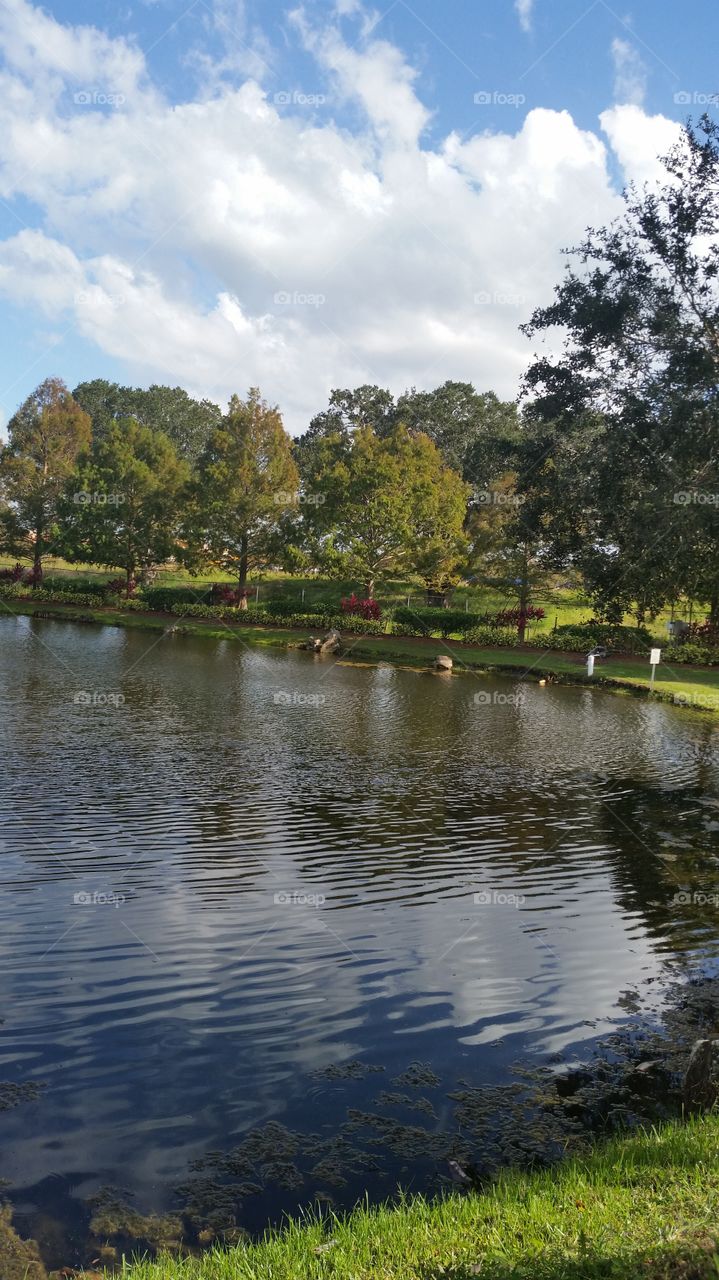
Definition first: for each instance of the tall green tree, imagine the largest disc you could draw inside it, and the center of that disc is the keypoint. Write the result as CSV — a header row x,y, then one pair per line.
x,y
246,482
391,504
628,483
187,422
45,437
124,507
458,419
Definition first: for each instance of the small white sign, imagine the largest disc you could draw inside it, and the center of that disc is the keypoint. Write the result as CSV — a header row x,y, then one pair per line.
x,y
655,657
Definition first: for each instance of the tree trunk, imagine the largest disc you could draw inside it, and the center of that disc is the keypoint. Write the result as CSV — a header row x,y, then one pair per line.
x,y
129,575
242,579
369,589
523,596
37,557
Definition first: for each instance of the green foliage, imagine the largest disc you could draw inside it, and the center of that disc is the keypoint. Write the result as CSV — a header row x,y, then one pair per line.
x,y
163,599
465,425
246,482
427,622
122,508
45,436
390,503
695,654
81,586
45,595
586,635
493,637
230,613
627,474
187,422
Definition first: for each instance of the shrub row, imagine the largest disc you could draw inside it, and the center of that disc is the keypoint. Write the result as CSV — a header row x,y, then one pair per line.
x,y
43,595
585,635
696,654
493,637
75,586
427,622
162,599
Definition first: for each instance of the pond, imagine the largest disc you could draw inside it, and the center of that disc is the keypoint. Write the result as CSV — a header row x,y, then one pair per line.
x,y
262,913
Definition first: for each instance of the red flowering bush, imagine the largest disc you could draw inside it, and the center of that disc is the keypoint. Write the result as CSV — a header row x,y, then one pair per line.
x,y
368,609
12,575
223,593
706,633
118,586
518,617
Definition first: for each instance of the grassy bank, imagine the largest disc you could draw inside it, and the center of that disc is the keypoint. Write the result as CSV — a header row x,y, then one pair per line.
x,y
642,1207
697,687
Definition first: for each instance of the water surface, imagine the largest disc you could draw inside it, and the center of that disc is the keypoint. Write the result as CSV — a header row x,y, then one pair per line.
x,y
227,874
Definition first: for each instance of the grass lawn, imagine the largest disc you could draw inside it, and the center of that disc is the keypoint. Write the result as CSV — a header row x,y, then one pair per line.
x,y
641,1208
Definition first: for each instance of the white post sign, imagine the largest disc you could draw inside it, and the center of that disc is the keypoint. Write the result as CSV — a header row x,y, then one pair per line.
x,y
590,664
655,658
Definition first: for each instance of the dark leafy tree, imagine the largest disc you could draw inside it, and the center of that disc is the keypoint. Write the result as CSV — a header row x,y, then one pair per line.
x,y
187,422
458,419
628,486
246,482
124,506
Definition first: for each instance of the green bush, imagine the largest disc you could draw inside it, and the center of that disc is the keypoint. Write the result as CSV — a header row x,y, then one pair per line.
x,y
569,641
228,612
74,586
427,622
359,626
42,595
696,654
315,621
283,608
134,603
492,637
634,640
162,599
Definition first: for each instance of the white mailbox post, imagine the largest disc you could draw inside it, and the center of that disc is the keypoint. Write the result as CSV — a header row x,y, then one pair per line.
x,y
655,658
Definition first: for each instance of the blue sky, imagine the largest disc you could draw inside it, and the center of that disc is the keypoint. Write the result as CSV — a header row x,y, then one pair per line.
x,y
226,192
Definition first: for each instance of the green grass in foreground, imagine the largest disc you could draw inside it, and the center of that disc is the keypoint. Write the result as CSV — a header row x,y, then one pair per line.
x,y
642,1207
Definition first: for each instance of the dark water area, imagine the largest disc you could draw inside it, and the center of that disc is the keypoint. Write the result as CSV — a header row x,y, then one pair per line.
x,y
262,914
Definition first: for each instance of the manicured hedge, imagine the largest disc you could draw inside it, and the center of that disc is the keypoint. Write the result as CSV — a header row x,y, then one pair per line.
x,y
42,595
696,654
428,622
585,635
74,586
162,599
493,637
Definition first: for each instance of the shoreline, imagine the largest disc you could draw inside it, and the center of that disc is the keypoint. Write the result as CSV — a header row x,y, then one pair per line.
x,y
523,663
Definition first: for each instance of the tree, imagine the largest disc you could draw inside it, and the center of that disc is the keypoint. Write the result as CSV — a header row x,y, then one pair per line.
x,y
45,437
187,422
246,481
457,418
628,483
124,507
391,505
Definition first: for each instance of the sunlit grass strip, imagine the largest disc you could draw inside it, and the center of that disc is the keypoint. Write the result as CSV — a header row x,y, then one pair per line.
x,y
646,1206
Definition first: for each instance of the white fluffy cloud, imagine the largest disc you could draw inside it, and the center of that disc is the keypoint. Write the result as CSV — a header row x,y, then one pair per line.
x,y
524,13
234,240
630,73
